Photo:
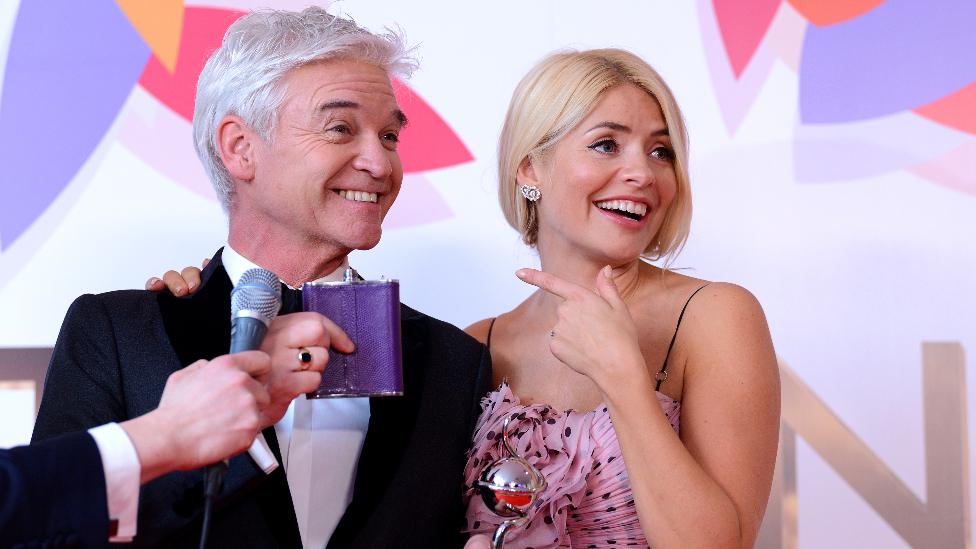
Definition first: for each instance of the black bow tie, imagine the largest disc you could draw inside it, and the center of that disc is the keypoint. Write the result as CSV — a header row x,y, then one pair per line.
x,y
291,300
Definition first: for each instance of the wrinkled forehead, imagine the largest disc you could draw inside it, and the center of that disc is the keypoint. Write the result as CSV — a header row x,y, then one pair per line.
x,y
333,84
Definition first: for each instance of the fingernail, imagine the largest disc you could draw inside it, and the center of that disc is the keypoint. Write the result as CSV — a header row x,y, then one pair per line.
x,y
153,281
180,291
191,286
520,273
608,271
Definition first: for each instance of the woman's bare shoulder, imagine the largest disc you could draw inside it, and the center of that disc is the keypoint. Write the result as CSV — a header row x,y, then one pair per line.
x,y
725,302
479,330
727,328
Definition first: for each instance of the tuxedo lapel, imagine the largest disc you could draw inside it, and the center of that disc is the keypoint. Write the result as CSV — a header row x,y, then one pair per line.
x,y
199,325
391,423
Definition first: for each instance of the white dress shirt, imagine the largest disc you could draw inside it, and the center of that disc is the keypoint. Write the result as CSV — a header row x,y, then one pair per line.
x,y
122,469
320,442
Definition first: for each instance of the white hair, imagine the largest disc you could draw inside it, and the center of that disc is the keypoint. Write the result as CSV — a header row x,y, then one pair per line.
x,y
242,77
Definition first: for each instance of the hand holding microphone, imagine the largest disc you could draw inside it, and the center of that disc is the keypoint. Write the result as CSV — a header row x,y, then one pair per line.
x,y
209,411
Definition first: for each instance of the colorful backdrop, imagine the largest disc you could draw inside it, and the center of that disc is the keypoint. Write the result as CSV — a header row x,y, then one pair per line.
x,y
833,173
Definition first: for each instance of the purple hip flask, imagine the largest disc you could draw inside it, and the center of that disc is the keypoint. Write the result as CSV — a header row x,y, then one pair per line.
x,y
369,312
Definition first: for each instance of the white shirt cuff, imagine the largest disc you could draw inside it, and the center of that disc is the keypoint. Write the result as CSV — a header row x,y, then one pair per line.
x,y
261,453
122,470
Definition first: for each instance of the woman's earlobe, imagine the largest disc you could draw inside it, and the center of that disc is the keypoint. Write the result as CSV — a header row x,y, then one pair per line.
x,y
527,175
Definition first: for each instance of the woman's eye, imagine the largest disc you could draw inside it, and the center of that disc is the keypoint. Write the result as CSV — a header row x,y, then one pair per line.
x,y
392,137
605,146
339,128
663,153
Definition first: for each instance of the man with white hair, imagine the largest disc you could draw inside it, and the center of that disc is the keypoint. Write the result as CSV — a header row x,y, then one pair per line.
x,y
297,125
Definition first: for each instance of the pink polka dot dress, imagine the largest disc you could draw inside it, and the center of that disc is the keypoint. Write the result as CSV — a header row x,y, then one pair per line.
x,y
588,501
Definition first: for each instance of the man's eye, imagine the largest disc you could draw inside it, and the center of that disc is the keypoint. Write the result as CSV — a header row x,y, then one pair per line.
x,y
339,128
392,137
605,146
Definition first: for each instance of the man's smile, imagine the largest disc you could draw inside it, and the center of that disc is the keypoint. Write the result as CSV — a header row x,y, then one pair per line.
x,y
357,196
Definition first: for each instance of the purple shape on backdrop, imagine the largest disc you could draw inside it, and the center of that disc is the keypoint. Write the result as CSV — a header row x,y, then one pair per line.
x,y
899,56
70,67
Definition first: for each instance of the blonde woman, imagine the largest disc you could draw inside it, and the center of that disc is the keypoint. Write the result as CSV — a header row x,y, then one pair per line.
x,y
648,399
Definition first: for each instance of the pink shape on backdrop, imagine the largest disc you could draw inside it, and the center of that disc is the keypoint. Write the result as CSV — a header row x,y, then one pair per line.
x,y
427,142
955,169
743,23
419,203
785,36
164,141
203,30
956,110
735,95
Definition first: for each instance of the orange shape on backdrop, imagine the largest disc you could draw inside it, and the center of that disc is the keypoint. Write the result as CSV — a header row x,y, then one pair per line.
x,y
743,24
956,110
829,12
160,24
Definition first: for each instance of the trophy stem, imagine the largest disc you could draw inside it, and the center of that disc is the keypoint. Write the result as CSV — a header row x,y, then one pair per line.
x,y
498,540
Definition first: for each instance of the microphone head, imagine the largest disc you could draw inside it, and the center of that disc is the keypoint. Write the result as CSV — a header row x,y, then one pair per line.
x,y
257,295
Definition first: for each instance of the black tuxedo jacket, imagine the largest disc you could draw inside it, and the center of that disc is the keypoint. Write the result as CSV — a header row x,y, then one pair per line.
x,y
113,356
52,494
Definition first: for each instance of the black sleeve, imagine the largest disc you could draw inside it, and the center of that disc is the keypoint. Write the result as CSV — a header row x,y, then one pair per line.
x,y
82,388
482,386
52,494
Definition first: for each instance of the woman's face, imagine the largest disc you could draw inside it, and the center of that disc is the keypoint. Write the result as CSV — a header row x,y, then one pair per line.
x,y
606,186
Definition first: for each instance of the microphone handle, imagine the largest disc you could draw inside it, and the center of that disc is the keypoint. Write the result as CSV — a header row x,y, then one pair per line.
x,y
246,334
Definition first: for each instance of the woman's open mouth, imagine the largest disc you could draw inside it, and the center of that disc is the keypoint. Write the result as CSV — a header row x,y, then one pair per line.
x,y
624,208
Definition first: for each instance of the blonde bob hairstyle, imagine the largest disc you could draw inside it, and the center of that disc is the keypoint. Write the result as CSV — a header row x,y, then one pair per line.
x,y
555,96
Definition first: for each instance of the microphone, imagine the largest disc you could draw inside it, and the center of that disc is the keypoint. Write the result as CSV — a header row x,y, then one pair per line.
x,y
254,303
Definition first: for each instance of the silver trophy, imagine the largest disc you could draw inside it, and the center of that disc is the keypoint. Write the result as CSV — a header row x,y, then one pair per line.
x,y
509,487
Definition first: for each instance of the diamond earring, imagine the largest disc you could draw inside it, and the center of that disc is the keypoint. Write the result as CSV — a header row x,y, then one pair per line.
x,y
530,192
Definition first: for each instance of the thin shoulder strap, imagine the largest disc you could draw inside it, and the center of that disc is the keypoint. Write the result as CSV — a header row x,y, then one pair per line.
x,y
490,328
662,374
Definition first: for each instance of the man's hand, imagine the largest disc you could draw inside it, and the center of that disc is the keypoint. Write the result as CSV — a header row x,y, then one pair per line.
x,y
287,337
209,411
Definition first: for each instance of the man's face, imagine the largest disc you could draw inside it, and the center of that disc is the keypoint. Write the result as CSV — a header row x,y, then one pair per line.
x,y
331,170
